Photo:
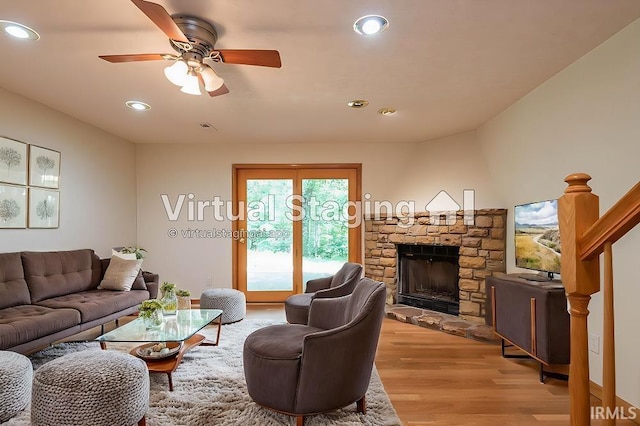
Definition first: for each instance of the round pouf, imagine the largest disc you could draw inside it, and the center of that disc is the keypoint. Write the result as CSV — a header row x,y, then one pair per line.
x,y
232,303
98,388
16,375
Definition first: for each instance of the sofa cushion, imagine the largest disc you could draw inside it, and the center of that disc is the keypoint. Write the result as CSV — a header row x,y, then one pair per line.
x,y
95,304
57,273
120,274
24,323
139,283
13,287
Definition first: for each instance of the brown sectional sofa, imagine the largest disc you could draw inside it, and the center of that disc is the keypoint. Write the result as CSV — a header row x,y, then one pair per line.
x,y
47,296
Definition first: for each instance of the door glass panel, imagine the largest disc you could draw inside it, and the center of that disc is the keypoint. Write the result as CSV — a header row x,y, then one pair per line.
x,y
325,234
269,236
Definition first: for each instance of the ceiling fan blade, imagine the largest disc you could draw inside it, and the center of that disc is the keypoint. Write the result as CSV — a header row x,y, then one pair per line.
x,y
162,19
136,57
264,58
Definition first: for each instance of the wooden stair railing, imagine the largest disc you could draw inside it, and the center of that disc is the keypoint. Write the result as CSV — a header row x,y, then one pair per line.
x,y
584,237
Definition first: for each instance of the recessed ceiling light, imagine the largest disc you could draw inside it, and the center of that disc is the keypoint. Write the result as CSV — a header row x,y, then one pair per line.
x,y
370,24
137,105
17,30
358,103
387,111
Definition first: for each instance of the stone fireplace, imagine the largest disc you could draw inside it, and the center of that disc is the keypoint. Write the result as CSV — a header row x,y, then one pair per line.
x,y
480,247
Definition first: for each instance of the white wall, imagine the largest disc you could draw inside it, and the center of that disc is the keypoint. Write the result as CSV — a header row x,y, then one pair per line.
x,y
391,172
585,119
97,180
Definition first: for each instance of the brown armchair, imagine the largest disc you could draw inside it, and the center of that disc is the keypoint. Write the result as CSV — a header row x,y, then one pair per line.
x,y
302,370
296,307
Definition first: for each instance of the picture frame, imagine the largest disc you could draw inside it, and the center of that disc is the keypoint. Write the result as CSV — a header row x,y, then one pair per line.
x,y
44,208
13,161
44,167
13,207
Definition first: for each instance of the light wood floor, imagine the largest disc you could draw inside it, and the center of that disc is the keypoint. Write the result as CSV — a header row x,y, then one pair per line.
x,y
437,378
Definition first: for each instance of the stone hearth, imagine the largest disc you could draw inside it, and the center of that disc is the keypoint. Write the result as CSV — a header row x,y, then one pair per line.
x,y
443,322
482,251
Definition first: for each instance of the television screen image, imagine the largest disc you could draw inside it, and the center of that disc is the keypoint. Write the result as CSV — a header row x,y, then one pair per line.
x,y
537,244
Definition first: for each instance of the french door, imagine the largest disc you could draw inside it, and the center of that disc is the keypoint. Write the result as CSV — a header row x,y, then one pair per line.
x,y
295,223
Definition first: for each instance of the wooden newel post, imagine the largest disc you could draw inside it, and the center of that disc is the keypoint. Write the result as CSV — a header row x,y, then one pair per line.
x,y
578,209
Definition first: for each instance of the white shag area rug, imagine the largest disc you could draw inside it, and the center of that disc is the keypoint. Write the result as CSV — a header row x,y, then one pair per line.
x,y
210,389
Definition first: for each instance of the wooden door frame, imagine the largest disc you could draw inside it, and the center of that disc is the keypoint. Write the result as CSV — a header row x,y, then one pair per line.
x,y
355,233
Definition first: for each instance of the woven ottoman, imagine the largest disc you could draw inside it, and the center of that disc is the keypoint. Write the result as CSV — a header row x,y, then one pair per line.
x,y
98,388
232,303
16,375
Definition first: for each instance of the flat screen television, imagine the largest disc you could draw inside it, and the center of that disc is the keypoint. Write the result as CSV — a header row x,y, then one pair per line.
x,y
537,238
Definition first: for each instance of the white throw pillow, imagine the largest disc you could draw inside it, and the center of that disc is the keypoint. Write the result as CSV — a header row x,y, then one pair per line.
x,y
120,274
128,256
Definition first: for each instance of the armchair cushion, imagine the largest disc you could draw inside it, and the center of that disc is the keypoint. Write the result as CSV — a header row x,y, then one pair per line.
x,y
279,342
297,308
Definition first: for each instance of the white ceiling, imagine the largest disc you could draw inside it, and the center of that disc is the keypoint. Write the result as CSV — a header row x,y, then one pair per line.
x,y
447,66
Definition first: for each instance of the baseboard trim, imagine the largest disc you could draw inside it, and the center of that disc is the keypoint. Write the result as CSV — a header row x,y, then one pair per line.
x,y
596,390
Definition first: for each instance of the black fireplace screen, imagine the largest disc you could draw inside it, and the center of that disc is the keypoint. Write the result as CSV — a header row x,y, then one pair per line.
x,y
428,277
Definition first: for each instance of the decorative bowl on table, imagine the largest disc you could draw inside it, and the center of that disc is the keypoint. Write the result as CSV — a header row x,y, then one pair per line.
x,y
160,350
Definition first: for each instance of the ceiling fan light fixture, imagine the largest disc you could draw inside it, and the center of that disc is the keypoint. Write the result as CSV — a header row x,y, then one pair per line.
x,y
177,73
212,81
191,84
370,24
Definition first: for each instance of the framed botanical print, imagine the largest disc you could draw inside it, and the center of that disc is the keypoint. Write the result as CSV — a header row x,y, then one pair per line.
x,y
13,206
44,208
13,161
44,167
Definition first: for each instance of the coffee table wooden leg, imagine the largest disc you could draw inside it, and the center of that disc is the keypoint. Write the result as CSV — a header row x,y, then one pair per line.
x,y
170,382
208,342
103,346
219,328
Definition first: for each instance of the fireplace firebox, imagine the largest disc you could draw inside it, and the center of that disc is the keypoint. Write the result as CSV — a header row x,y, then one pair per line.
x,y
428,277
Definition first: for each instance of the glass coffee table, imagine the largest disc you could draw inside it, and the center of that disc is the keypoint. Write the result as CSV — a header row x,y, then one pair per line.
x,y
182,327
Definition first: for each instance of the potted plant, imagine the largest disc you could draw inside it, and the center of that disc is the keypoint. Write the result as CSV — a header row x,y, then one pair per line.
x,y
138,251
129,253
151,313
169,299
184,299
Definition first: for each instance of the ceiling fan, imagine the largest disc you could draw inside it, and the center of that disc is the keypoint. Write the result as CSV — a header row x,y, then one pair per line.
x,y
194,41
